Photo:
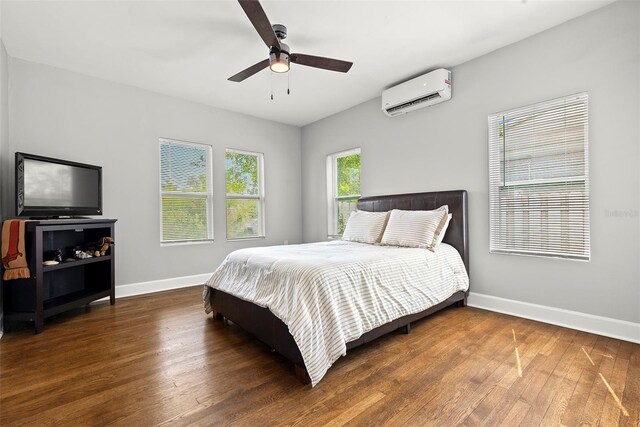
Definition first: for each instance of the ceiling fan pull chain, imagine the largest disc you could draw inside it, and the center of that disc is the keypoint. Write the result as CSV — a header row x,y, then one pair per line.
x,y
288,74
271,84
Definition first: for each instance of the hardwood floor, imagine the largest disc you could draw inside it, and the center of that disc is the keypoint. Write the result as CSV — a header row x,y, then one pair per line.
x,y
158,359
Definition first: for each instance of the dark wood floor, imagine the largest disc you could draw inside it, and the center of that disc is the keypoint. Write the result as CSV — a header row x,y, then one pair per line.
x,y
159,359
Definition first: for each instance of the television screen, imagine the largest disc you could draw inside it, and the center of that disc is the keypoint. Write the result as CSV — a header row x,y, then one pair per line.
x,y
53,187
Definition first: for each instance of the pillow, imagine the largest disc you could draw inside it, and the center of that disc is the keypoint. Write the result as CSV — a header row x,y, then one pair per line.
x,y
415,229
365,227
444,230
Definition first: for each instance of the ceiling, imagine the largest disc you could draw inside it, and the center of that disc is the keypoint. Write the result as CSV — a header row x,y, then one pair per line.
x,y
188,49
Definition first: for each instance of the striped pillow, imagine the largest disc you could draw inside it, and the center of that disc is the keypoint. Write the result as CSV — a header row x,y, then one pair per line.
x,y
365,227
444,230
415,229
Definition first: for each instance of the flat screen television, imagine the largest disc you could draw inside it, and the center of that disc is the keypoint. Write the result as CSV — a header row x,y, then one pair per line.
x,y
47,187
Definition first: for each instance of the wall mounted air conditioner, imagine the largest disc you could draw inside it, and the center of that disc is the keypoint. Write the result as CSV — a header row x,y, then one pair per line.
x,y
428,89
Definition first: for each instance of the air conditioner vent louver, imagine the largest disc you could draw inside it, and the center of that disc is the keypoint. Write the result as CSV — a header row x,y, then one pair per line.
x,y
414,102
429,89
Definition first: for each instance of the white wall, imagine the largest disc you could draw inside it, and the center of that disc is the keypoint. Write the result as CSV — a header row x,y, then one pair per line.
x,y
61,114
444,147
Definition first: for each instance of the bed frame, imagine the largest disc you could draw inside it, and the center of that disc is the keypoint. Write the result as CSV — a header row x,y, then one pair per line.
x,y
272,331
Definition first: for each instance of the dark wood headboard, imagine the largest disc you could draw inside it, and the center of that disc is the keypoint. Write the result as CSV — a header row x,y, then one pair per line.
x,y
458,232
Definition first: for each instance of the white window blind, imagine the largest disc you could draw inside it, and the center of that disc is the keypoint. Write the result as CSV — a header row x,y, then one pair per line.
x,y
186,198
245,194
343,184
539,179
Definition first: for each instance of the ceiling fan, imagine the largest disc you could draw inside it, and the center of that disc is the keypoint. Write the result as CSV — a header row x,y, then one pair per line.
x,y
279,54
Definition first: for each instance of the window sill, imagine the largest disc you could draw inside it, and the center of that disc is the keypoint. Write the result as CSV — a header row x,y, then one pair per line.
x,y
241,239
558,256
187,242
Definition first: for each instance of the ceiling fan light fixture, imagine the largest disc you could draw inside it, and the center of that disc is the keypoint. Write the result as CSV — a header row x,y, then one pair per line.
x,y
279,61
279,67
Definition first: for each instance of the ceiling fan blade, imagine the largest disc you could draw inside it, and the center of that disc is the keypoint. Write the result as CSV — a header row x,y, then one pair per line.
x,y
321,62
246,73
260,22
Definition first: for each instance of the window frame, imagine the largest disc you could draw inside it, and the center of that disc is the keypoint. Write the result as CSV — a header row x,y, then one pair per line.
x,y
517,233
260,197
332,189
208,195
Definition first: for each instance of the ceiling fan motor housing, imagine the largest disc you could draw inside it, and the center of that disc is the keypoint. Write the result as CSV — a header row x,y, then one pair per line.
x,y
280,30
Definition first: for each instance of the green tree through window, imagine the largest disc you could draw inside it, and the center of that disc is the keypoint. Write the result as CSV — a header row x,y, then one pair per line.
x,y
348,175
244,194
345,168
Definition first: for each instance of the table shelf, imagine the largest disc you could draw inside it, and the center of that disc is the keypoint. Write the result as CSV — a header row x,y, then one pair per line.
x,y
52,289
76,263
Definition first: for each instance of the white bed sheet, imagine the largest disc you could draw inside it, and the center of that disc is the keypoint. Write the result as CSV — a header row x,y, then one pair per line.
x,y
330,293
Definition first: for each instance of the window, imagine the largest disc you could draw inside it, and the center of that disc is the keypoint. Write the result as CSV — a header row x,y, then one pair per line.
x,y
343,182
245,194
539,179
186,200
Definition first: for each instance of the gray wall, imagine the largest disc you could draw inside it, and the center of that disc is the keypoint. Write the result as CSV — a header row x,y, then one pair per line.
x,y
4,130
61,114
445,147
4,112
4,135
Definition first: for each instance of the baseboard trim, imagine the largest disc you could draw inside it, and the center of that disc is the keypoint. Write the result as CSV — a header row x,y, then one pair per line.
x,y
152,286
614,328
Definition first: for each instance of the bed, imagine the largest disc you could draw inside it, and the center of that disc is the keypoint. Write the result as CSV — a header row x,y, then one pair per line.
x,y
266,324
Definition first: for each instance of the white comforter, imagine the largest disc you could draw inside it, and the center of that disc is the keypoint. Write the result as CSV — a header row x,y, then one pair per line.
x,y
330,293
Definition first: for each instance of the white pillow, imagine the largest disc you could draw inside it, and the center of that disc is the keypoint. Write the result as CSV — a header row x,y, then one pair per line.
x,y
415,229
365,227
444,230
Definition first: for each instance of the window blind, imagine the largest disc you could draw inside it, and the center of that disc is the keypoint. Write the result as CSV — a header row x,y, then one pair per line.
x,y
539,179
185,192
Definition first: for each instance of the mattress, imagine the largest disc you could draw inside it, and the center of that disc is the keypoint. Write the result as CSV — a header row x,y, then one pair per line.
x,y
331,293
